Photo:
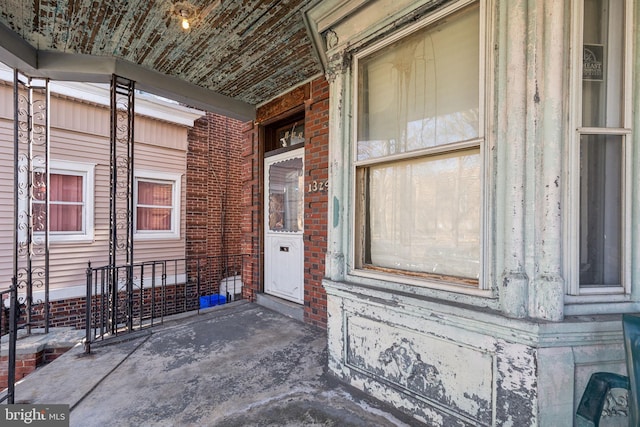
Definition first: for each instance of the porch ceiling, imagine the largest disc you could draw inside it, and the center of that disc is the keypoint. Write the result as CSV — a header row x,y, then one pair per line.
x,y
236,55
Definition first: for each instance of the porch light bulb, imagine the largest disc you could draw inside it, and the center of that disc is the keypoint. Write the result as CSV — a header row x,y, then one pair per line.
x,y
185,19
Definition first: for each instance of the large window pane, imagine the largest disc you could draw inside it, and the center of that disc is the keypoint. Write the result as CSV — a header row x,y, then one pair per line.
x,y
421,91
603,63
154,193
153,219
154,208
66,205
601,210
424,215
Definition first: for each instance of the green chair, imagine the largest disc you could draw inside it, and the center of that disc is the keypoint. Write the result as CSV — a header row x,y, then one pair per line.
x,y
593,399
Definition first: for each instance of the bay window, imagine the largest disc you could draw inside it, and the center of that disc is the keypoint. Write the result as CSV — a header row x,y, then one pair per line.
x,y
418,150
157,210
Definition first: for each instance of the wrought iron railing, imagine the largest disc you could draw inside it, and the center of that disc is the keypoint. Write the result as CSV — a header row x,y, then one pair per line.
x,y
121,299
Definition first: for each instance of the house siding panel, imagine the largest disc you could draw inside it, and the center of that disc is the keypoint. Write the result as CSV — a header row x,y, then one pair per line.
x,y
6,200
80,133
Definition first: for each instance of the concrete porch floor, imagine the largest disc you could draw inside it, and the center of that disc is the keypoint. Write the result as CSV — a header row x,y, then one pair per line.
x,y
235,365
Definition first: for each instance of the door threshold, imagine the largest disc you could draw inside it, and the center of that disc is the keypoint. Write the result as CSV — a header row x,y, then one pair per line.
x,y
282,306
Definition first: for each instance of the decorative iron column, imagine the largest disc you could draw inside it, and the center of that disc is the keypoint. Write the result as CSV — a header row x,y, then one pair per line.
x,y
31,197
30,281
121,199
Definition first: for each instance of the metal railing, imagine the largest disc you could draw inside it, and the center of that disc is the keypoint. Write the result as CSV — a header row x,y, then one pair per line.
x,y
121,299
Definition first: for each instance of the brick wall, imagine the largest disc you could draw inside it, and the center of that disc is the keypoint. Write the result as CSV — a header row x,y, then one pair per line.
x,y
25,364
28,362
316,157
214,187
314,97
172,299
251,202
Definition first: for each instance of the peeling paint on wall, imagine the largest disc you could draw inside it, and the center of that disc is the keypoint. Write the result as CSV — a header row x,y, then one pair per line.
x,y
516,385
451,378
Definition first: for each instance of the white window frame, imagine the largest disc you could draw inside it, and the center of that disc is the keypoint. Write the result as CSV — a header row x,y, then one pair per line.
x,y
576,294
485,90
175,180
87,172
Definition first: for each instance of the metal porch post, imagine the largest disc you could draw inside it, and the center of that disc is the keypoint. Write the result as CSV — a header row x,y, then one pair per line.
x,y
121,197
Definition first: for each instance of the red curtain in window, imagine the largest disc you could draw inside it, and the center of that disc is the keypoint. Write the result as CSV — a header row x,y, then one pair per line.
x,y
65,203
154,206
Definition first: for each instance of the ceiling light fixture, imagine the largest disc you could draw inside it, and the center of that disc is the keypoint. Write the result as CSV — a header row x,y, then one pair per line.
x,y
185,19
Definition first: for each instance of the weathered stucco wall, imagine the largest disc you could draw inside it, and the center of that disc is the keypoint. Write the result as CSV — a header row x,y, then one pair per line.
x,y
452,365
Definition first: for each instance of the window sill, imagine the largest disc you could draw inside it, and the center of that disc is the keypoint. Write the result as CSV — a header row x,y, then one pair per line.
x,y
599,304
418,285
159,236
425,314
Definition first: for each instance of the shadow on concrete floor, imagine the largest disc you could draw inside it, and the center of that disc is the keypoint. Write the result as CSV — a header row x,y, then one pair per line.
x,y
235,365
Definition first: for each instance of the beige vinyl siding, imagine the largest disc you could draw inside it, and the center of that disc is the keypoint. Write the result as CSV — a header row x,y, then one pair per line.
x,y
6,102
6,201
161,134
151,158
80,133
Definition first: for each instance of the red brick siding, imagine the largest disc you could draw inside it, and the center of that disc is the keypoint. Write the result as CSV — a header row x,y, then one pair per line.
x,y
25,364
214,187
251,203
316,155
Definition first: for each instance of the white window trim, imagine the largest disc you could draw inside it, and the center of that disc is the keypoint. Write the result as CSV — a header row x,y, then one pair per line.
x,y
87,171
358,275
576,294
165,177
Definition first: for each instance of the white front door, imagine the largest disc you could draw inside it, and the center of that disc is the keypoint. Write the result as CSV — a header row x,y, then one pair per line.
x,y
284,226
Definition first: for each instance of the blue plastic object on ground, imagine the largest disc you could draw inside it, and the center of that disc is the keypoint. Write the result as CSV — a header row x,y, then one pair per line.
x,y
216,299
204,301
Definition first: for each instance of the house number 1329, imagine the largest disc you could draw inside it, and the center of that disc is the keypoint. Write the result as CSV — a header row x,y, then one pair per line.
x,y
317,186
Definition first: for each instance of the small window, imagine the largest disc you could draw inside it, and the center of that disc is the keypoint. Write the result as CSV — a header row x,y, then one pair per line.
x,y
66,202
157,212
418,152
70,194
284,135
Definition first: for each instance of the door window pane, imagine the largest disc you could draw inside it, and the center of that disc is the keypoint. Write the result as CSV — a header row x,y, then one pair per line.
x,y
601,210
286,182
